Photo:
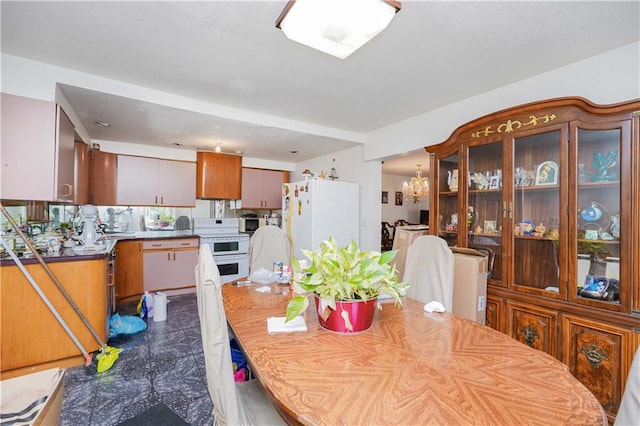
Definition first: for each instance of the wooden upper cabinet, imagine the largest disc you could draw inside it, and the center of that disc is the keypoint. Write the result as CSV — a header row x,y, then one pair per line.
x,y
81,172
635,206
543,187
218,176
102,178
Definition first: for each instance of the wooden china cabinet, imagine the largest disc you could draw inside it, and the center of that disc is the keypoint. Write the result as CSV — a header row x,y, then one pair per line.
x,y
551,191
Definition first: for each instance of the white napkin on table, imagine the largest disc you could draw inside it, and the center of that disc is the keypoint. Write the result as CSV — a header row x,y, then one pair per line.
x,y
277,325
434,307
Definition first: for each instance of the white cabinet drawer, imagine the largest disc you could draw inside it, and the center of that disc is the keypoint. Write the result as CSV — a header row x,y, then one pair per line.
x,y
170,244
185,243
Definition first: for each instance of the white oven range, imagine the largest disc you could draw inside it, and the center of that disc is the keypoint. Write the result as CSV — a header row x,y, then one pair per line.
x,y
230,248
226,244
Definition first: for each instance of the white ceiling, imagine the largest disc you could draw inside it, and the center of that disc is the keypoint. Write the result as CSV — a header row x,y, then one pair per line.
x,y
268,95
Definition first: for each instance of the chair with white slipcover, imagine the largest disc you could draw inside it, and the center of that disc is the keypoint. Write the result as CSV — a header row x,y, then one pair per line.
x,y
241,403
629,411
429,271
267,245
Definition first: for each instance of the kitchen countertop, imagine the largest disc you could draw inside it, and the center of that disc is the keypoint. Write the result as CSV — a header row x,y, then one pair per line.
x,y
150,235
64,255
68,254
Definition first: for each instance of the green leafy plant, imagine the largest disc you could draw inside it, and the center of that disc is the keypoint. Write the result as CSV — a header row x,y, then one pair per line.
x,y
66,225
344,274
166,218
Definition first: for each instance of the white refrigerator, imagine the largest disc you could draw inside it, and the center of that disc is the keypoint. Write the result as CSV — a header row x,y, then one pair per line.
x,y
316,209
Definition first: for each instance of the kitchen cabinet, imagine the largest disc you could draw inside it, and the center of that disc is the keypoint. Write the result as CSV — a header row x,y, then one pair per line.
x,y
102,178
128,269
65,157
37,150
144,181
34,337
169,264
551,189
218,176
81,173
262,189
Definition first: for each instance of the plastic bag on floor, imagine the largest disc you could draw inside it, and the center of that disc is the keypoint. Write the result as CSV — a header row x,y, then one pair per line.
x,y
107,357
125,325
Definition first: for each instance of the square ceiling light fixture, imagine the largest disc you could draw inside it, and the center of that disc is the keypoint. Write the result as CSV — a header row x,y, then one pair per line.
x,y
336,27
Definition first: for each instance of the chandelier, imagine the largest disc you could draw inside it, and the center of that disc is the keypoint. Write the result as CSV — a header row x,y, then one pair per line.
x,y
417,188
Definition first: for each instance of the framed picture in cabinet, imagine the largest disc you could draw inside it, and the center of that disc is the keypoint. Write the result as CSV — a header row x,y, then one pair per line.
x,y
385,197
489,227
494,182
547,173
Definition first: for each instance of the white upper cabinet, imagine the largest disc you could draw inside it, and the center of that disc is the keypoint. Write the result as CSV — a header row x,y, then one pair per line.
x,y
146,181
37,150
262,189
65,145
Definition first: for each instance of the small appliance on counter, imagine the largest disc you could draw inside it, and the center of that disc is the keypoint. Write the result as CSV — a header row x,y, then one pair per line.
x,y
87,231
249,223
117,220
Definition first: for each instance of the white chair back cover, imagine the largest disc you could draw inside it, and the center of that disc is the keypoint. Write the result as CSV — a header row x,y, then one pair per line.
x,y
243,403
404,236
629,411
227,405
429,271
267,245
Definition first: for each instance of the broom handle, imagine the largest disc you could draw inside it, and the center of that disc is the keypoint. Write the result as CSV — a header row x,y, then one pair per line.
x,y
53,277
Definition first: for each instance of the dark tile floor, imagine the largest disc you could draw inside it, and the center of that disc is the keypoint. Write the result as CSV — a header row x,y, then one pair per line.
x,y
163,363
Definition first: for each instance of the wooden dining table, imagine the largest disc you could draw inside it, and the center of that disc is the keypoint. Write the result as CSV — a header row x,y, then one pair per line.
x,y
411,367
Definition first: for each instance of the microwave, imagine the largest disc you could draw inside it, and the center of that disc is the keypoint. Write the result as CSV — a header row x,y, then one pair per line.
x,y
251,224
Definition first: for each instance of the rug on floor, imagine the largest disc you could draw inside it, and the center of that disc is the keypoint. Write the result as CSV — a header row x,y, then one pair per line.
x,y
158,415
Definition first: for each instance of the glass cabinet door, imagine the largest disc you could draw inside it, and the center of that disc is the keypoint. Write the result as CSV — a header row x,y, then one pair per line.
x,y
538,228
485,205
448,221
600,232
